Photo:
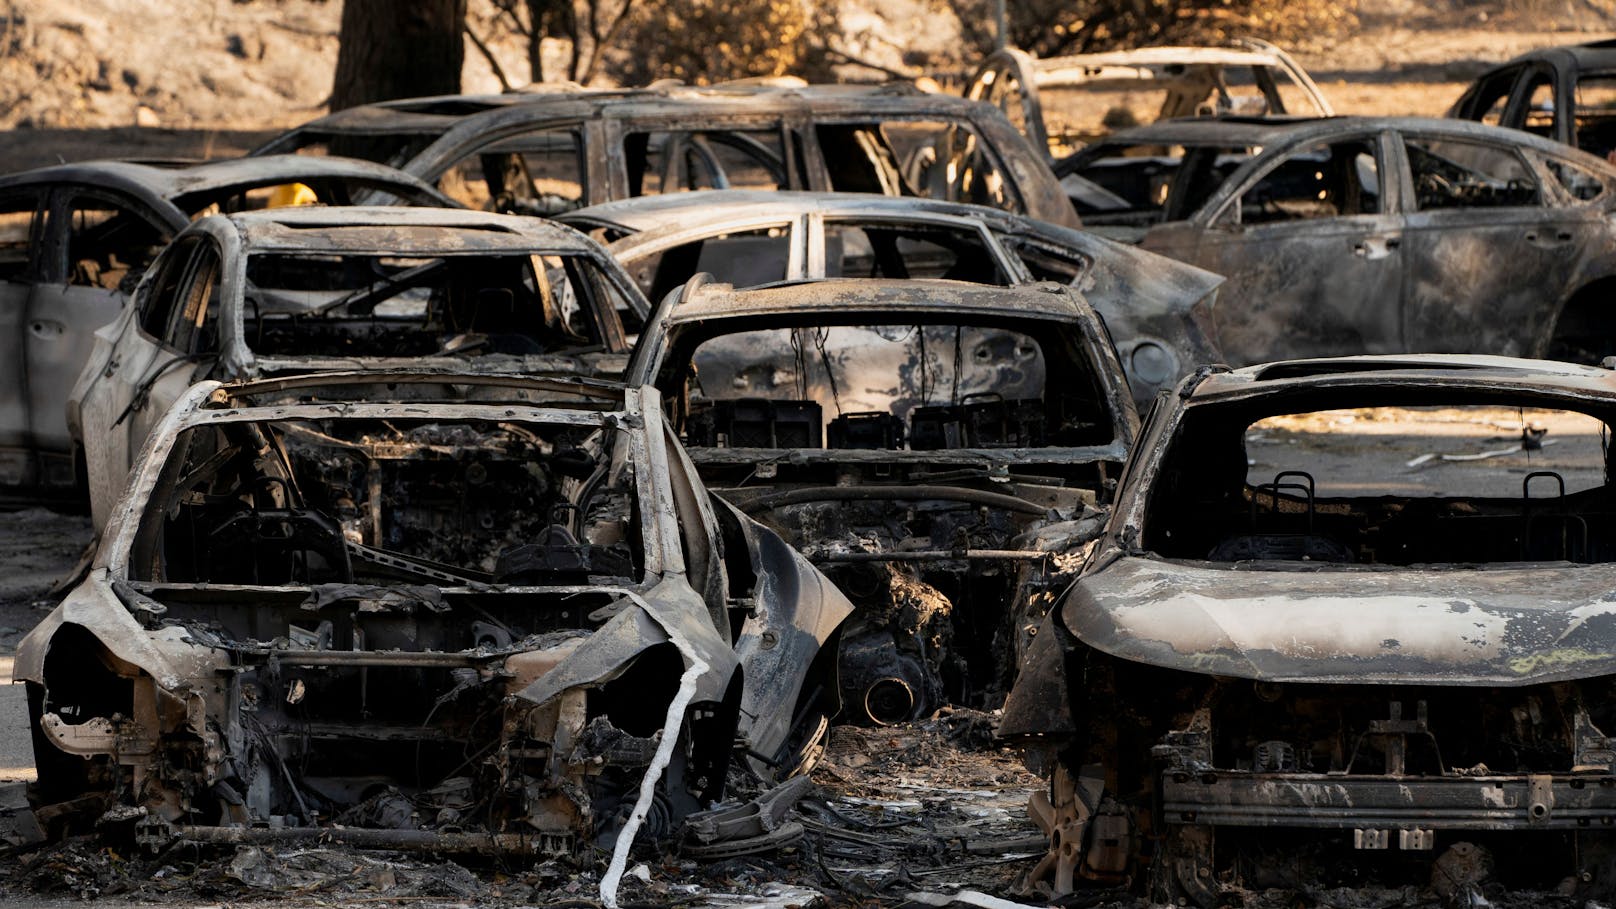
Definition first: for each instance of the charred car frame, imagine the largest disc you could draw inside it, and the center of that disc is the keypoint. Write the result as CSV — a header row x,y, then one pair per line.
x,y
445,612
302,290
1303,680
936,447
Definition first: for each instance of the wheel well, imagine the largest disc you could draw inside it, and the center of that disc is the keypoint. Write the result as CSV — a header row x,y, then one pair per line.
x,y
1585,331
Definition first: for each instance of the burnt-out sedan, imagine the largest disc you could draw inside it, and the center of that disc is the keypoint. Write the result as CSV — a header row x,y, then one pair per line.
x,y
444,612
1369,235
936,447
303,290
74,240
1158,312
1350,622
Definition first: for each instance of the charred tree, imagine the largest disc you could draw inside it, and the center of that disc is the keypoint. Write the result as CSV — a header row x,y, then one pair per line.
x,y
398,49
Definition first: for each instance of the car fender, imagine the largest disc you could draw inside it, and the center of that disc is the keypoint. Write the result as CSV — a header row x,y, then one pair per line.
x,y
170,655
1040,702
797,611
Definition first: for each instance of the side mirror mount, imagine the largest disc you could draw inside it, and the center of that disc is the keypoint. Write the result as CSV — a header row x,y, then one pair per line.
x,y
1228,219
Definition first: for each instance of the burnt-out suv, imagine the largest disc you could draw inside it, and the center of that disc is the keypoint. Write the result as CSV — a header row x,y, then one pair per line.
x,y
546,154
1350,622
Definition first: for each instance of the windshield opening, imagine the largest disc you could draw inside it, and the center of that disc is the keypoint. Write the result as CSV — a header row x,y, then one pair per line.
x,y
890,386
309,305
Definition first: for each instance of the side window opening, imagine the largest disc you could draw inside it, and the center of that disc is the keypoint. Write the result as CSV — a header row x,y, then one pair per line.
x,y
744,258
1324,181
196,319
1539,116
158,303
1049,263
1596,114
1490,99
900,250
535,173
1581,183
927,159
109,246
679,161
19,224
1460,174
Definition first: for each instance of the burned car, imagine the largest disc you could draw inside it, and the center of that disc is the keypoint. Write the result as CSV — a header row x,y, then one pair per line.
x,y
552,153
1369,235
1159,312
1567,94
75,238
936,447
445,612
1063,103
302,290
1349,622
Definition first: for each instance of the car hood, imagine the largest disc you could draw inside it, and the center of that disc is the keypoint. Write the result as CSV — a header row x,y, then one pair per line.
x,y
1503,626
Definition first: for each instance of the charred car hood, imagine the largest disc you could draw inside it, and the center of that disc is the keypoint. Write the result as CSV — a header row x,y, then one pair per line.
x,y
1504,626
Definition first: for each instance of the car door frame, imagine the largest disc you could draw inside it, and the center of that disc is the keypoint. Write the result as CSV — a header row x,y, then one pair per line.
x,y
1414,227
116,406
1520,97
13,326
55,281
461,142
1210,225
985,85
1465,107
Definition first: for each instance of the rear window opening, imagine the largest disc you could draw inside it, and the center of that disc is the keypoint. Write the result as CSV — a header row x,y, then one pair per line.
x,y
1390,485
398,306
1140,185
916,387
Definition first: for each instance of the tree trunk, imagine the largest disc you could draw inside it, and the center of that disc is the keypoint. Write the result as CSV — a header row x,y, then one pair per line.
x,y
551,19
398,49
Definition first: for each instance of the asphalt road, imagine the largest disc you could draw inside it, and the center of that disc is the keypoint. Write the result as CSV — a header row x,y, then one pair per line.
x,y
37,548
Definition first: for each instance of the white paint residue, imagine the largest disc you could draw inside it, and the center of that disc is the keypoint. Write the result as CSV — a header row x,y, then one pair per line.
x,y
1317,627
653,773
